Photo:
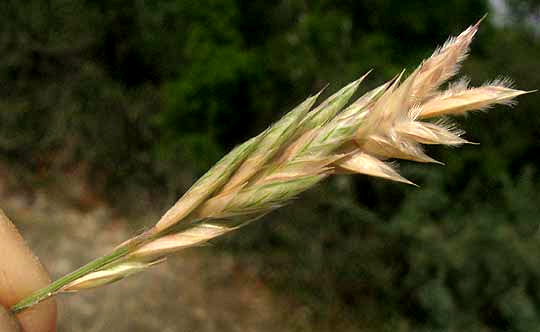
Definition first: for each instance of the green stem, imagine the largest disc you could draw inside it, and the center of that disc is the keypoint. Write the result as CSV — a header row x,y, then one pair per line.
x,y
54,287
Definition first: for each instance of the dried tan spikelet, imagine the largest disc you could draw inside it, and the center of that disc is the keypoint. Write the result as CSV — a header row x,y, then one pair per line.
x,y
430,133
397,147
385,110
364,163
170,243
443,64
457,101
107,276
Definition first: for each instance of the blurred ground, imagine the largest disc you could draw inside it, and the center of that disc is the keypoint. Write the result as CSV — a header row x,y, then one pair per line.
x,y
198,290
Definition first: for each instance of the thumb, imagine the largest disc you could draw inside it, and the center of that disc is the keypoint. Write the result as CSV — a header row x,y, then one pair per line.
x,y
20,275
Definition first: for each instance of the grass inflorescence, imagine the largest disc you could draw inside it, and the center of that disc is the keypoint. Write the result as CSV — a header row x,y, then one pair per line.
x,y
307,145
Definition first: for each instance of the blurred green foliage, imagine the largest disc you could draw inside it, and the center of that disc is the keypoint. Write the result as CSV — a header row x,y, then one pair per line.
x,y
148,94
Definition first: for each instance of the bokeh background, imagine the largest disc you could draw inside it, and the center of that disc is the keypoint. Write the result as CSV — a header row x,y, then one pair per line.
x,y
110,109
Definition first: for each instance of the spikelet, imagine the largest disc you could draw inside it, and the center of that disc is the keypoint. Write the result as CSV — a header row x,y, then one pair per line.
x,y
173,242
443,64
305,147
364,163
430,133
459,100
109,275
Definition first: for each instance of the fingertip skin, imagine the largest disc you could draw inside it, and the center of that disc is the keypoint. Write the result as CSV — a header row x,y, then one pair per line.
x,y
20,275
8,323
41,317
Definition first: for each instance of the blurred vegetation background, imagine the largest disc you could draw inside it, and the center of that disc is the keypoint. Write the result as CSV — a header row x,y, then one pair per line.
x,y
141,97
